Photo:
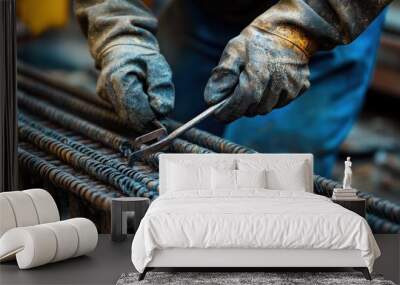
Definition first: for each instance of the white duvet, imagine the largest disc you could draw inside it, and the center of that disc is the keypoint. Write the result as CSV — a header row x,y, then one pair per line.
x,y
255,218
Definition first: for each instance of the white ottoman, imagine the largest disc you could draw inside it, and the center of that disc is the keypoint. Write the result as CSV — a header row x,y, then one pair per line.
x,y
31,230
26,208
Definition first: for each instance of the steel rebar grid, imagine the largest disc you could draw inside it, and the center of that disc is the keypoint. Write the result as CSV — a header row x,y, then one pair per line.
x,y
324,186
75,123
67,120
321,185
98,196
381,207
208,140
81,161
380,225
135,173
93,131
97,134
388,212
195,136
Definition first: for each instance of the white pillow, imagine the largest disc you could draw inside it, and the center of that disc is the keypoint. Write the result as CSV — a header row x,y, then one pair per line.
x,y
251,179
182,177
183,174
187,162
281,174
290,180
223,179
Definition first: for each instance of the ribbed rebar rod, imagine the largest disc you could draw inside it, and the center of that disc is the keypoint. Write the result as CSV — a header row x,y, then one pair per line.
x,y
88,129
67,120
183,146
378,206
196,136
208,140
100,197
32,72
95,132
66,101
135,173
81,161
381,207
324,186
380,225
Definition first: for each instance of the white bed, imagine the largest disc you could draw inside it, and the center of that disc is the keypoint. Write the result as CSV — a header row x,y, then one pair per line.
x,y
248,227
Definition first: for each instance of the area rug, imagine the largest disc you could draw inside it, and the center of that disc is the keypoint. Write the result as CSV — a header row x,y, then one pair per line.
x,y
233,278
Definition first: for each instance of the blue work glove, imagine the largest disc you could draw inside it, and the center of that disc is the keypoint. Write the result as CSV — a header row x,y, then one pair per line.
x,y
138,83
266,66
134,77
258,71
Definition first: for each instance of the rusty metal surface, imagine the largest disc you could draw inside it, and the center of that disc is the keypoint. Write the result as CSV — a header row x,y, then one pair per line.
x,y
80,157
99,195
82,148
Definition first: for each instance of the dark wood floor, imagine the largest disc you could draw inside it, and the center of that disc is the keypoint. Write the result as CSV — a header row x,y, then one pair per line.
x,y
103,266
110,260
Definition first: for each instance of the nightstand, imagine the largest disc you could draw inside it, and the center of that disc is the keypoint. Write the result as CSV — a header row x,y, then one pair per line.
x,y
121,209
357,205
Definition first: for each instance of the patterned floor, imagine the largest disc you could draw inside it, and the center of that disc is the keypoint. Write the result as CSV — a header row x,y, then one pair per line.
x,y
270,278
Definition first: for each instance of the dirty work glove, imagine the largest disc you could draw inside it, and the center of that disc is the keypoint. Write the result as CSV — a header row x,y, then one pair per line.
x,y
259,71
134,76
266,66
137,81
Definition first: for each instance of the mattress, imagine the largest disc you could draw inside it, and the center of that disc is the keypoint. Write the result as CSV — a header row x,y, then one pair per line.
x,y
250,219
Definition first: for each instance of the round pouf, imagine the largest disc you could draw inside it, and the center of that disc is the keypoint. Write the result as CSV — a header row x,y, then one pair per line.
x,y
26,208
40,244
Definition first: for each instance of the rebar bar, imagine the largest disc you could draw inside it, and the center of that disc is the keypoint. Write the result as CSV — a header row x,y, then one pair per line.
x,y
134,173
202,138
208,140
66,101
34,73
382,214
183,146
95,132
98,196
381,207
380,225
324,186
67,120
82,126
80,161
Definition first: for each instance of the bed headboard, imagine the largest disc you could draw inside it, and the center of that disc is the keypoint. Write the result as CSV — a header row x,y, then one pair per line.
x,y
167,158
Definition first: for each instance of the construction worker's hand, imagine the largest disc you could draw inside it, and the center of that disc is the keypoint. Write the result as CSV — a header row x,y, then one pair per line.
x,y
266,66
137,80
259,71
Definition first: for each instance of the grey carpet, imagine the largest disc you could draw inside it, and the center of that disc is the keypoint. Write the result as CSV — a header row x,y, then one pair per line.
x,y
231,278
